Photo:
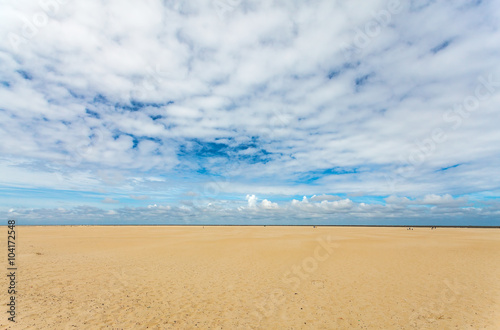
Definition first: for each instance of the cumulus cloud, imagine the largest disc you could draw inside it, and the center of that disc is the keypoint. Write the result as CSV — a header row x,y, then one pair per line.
x,y
263,205
252,201
268,205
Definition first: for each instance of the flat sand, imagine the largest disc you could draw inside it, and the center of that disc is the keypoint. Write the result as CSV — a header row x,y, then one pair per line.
x,y
132,277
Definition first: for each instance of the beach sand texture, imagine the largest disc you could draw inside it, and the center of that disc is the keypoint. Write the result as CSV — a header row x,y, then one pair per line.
x,y
169,277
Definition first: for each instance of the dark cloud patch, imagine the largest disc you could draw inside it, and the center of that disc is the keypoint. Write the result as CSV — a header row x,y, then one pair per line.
x,y
312,176
138,105
441,46
448,167
92,114
25,74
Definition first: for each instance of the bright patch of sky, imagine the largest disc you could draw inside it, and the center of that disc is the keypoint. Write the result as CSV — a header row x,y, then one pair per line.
x,y
250,112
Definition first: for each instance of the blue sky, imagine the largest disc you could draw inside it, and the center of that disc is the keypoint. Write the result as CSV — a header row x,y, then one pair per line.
x,y
250,112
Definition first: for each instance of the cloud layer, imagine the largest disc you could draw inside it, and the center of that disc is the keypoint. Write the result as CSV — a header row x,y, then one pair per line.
x,y
429,210
171,103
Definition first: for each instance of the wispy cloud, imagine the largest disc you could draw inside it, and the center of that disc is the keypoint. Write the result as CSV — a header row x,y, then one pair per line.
x,y
139,198
109,200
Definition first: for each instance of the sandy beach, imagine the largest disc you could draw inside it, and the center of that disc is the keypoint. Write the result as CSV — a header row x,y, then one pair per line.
x,y
169,277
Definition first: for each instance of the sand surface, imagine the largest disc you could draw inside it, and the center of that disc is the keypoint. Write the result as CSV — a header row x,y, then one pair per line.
x,y
255,278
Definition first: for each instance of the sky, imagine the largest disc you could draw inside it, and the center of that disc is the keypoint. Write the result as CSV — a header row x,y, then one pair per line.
x,y
250,112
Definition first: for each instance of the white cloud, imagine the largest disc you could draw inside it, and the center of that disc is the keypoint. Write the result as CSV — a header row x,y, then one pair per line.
x,y
397,200
139,197
338,205
252,201
323,205
446,199
431,199
109,200
268,205
324,198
